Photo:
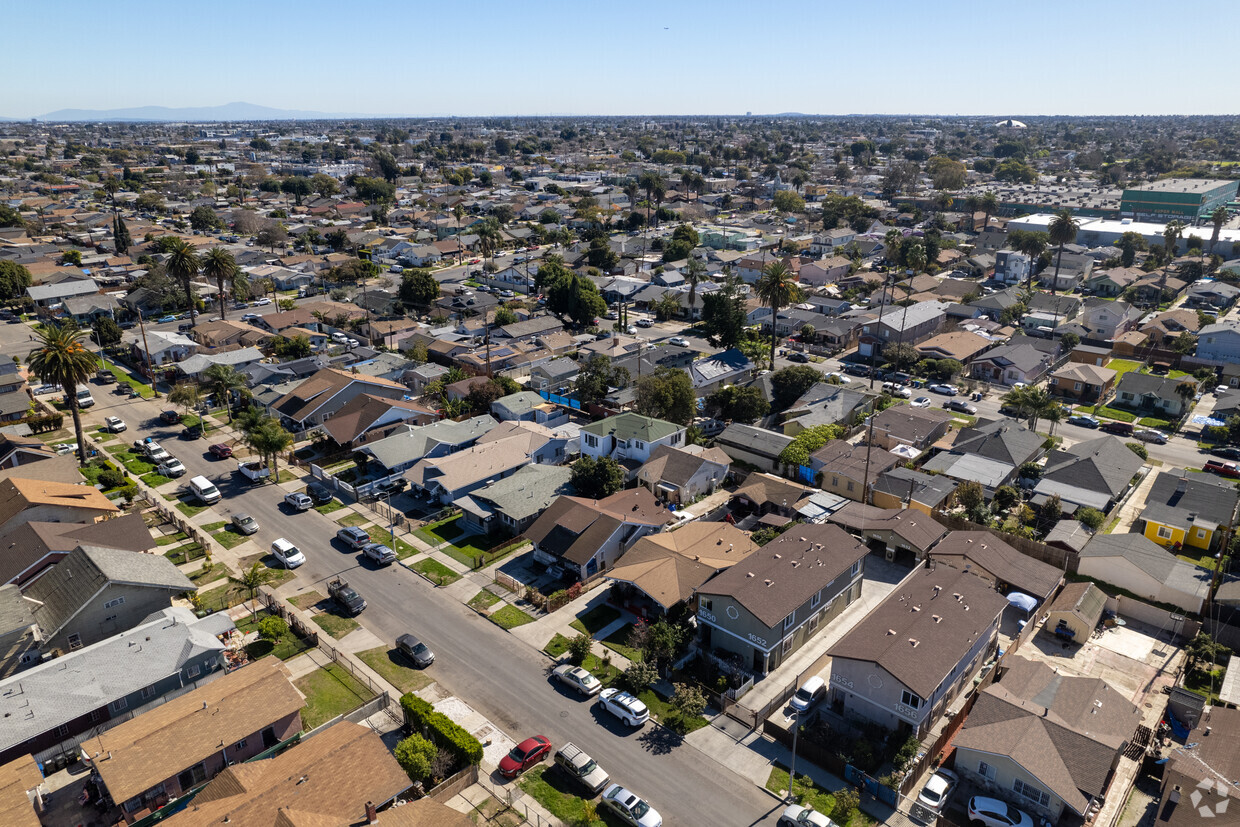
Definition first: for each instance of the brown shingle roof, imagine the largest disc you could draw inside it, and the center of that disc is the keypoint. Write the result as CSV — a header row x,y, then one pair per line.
x,y
159,743
998,560
848,460
16,777
922,630
313,393
670,566
17,494
919,530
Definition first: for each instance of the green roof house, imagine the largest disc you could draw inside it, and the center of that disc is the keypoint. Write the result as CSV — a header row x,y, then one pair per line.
x,y
629,436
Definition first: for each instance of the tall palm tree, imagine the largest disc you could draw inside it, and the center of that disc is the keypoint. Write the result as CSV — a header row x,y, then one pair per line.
x,y
222,381
183,265
1062,230
989,205
1031,402
972,202
269,439
1172,234
219,266
892,240
917,257
1218,218
777,288
61,358
1032,245
459,212
489,237
694,274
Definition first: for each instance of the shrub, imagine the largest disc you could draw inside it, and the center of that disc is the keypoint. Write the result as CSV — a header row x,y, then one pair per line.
x,y
272,628
442,730
111,478
846,802
579,649
640,675
906,753
688,700
1138,449
1091,517
415,754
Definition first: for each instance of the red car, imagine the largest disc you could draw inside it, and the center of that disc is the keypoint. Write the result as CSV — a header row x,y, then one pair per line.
x,y
524,755
220,450
1223,469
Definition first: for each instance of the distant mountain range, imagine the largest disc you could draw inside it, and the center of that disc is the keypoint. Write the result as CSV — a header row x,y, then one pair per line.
x,y
238,111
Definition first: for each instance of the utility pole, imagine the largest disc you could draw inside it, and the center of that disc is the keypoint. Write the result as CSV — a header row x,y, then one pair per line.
x,y
146,353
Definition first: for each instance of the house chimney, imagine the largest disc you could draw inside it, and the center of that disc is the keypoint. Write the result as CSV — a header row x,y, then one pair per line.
x,y
372,814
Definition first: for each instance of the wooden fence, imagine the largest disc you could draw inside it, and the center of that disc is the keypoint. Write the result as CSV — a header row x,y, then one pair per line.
x,y
1059,558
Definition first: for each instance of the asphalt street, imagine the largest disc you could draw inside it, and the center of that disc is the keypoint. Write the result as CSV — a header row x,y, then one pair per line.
x,y
498,675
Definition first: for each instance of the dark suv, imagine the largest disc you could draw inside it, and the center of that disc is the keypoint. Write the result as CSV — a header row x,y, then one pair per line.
x,y
417,651
320,493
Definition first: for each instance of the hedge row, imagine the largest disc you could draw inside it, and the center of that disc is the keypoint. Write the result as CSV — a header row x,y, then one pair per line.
x,y
421,717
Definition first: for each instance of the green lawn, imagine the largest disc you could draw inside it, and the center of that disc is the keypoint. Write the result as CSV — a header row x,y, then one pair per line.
x,y
216,526
554,791
395,669
206,575
1107,412
436,572
557,646
185,553
335,625
229,537
329,692
1153,422
170,539
155,480
483,600
595,620
509,617
618,642
187,507
443,531
1122,366
328,508
668,716
134,462
403,549
807,792
353,519
289,646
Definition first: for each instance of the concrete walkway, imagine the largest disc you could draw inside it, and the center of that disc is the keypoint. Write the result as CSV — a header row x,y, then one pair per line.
x,y
539,633
1135,504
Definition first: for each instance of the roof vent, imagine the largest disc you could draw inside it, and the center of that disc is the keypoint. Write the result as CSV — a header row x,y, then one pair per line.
x,y
777,557
768,582
914,641
891,631
937,618
749,574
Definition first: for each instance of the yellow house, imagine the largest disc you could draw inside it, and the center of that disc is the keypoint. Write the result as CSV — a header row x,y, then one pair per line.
x,y
1188,509
923,492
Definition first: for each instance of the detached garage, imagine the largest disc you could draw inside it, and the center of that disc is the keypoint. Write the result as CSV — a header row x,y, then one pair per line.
x,y
1075,613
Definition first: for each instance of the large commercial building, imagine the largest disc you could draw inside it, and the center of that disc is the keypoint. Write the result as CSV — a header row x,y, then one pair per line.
x,y
1191,199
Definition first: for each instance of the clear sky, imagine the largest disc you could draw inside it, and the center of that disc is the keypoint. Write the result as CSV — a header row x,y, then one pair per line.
x,y
531,57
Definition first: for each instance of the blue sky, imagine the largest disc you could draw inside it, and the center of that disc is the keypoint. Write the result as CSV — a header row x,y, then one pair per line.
x,y
530,57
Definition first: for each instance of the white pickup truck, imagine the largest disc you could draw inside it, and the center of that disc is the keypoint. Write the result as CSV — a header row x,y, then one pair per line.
x,y
255,472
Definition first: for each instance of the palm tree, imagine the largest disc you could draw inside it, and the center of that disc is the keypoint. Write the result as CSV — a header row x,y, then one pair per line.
x,y
693,276
1186,390
183,265
61,358
972,202
989,205
1031,402
777,288
1172,233
269,439
489,237
917,257
1218,218
459,212
1032,245
1062,230
220,267
252,579
222,381
892,240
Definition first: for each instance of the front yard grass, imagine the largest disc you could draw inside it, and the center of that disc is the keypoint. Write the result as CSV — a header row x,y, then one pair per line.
x,y
509,617
436,572
329,692
335,625
1107,412
1154,422
668,715
806,791
483,600
353,519
393,667
444,531
185,553
328,508
215,526
154,480
618,642
595,620
206,575
186,506
229,537
403,549
557,646
289,646
553,791
170,539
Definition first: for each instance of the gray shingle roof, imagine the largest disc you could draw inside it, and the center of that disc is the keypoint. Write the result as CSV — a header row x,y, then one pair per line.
x,y
1150,558
1203,495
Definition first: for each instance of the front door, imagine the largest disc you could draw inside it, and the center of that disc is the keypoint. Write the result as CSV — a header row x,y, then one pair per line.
x,y
269,738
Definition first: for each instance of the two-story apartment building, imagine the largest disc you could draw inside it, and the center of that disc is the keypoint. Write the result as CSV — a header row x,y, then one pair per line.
x,y
1011,267
772,603
849,470
1219,341
914,653
629,436
908,325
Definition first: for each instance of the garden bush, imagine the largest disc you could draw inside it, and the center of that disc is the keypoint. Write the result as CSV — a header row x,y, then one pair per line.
x,y
111,478
272,628
415,754
442,730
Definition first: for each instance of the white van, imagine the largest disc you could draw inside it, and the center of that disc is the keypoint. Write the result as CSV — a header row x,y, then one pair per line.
x,y
287,554
810,693
205,490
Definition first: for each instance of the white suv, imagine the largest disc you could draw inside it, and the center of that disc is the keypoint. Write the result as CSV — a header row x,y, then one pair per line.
x,y
624,706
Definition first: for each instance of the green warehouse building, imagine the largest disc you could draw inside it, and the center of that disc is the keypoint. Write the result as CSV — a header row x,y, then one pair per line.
x,y
1191,200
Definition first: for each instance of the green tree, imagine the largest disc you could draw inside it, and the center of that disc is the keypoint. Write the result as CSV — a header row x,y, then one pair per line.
x,y
1129,245
297,186
219,266
777,288
667,306
738,404
182,265
415,755
808,441
121,239
676,250
504,316
298,347
788,384
901,355
1061,231
667,394
107,331
1091,517
570,295
73,257
10,217
1069,341
579,648
203,218
688,701
597,478
640,675
60,358
14,279
272,628
596,377
268,440
724,315
1138,449
186,395
788,201
252,579
224,382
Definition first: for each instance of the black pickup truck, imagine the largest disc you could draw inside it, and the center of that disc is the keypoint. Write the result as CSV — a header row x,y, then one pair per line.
x,y
346,597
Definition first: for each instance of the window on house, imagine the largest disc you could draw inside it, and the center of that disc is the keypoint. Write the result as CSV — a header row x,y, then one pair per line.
x,y
787,647
1077,386
835,482
909,699
114,602
591,440
61,731
1164,533
815,600
194,671
813,621
1201,533
856,569
850,485
706,604
148,692
789,620
1031,792
96,715
985,770
240,744
119,705
75,641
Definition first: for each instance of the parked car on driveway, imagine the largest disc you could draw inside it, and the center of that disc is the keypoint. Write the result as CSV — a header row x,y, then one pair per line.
x,y
991,812
937,790
577,679
1151,435
320,493
287,554
624,706
1084,421
415,650
524,755
353,537
298,502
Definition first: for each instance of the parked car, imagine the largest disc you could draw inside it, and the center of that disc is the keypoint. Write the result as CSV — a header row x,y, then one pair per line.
x,y
1220,390
810,693
991,812
920,402
937,790
577,679
581,768
105,377
165,319
379,554
1226,452
1223,469
1151,435
84,398
798,815
679,341
838,378
853,369
298,502
797,356
630,808
170,417
287,554
320,493
245,524
960,406
1084,420
1118,428
624,706
524,755
897,390
645,323
250,317
114,424
263,302
194,431
346,597
946,390
171,467
415,650
353,537
220,451
153,450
